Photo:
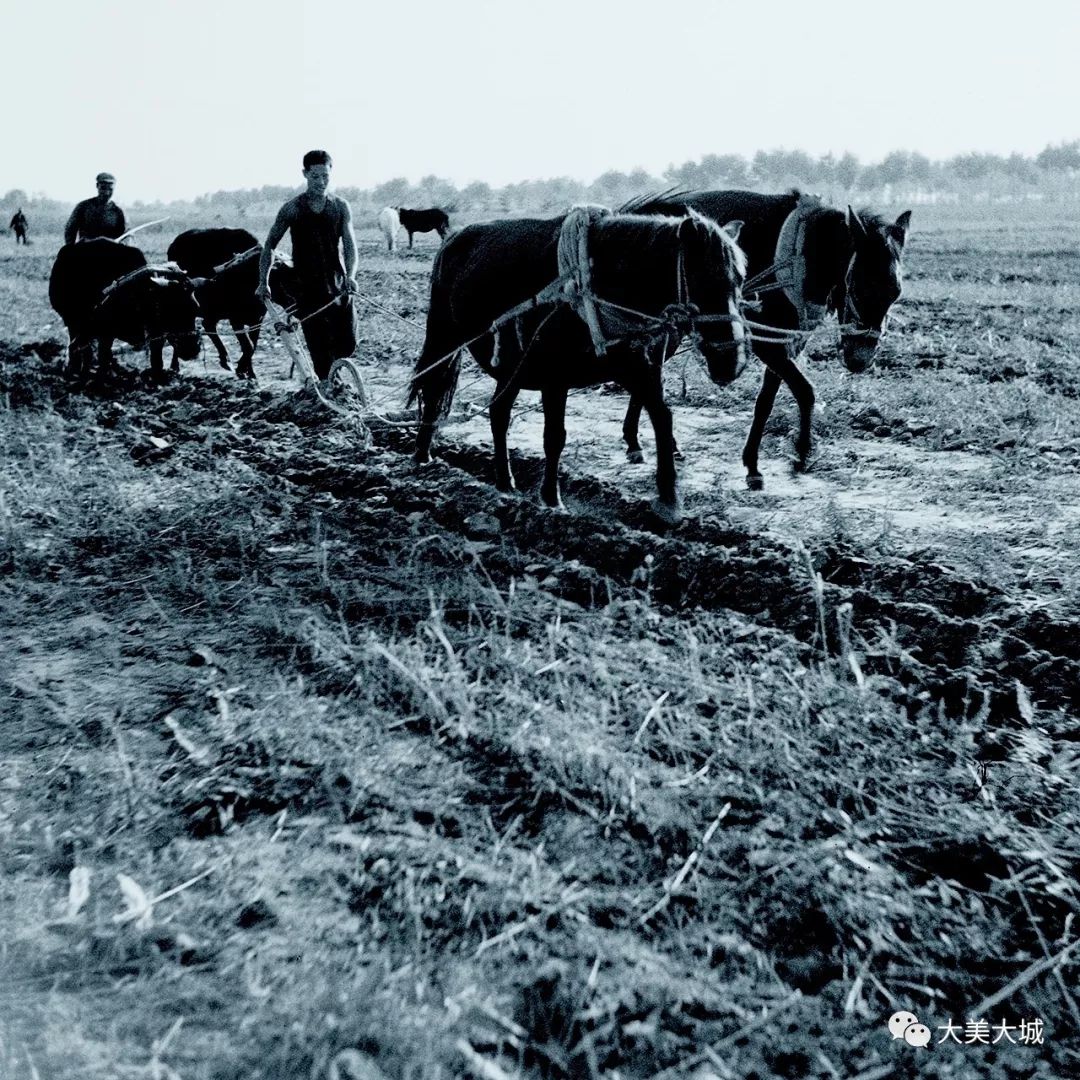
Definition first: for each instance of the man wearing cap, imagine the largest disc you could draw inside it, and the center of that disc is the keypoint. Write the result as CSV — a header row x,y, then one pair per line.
x,y
95,217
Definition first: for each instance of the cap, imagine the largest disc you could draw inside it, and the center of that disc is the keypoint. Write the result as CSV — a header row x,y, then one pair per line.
x,y
104,177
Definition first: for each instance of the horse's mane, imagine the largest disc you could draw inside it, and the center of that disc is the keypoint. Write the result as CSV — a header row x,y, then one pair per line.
x,y
651,230
872,219
641,204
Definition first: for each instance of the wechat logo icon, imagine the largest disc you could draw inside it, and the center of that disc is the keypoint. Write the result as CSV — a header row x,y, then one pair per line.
x,y
906,1026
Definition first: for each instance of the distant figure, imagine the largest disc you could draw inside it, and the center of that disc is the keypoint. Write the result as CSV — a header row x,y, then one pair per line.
x,y
389,223
322,231
19,226
414,221
98,216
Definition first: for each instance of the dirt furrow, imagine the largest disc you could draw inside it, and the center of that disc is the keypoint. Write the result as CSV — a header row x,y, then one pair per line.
x,y
935,634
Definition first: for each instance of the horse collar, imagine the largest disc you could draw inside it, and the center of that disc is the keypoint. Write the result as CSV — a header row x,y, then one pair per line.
x,y
791,261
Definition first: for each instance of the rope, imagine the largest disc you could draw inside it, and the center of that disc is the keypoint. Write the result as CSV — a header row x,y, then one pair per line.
x,y
575,265
388,311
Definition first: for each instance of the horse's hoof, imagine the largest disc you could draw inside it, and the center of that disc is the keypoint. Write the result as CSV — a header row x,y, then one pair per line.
x,y
755,481
224,364
551,499
635,457
670,513
422,457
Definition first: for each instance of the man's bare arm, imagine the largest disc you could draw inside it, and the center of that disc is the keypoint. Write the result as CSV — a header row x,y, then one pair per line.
x,y
348,247
273,238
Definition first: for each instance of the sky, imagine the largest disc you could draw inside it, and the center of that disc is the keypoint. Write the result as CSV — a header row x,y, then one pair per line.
x,y
183,97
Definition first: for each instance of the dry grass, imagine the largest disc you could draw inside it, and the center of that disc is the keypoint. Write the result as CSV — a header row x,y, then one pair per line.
x,y
388,787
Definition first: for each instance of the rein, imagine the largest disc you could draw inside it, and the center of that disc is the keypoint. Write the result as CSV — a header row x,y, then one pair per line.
x,y
858,328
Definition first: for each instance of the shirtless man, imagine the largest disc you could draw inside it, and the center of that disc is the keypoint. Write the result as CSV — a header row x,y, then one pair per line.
x,y
319,223
99,216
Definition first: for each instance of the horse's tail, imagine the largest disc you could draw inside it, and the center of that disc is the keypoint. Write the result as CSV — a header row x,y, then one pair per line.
x,y
435,376
435,379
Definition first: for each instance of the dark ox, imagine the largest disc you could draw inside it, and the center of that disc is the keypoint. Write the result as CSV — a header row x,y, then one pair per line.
x,y
414,221
225,286
104,291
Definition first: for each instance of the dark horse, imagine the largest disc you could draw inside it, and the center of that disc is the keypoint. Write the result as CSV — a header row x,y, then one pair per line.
x,y
803,260
643,271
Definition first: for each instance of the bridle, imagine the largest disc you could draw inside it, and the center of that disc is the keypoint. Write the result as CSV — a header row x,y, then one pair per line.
x,y
678,320
853,325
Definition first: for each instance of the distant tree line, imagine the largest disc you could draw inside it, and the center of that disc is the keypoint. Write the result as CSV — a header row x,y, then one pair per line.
x,y
901,176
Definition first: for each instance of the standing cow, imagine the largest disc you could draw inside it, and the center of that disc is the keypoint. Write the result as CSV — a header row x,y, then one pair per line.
x,y
414,221
225,266
389,223
104,290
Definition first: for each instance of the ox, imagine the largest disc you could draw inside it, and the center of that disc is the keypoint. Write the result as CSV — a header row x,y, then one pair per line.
x,y
104,290
389,223
414,221
225,266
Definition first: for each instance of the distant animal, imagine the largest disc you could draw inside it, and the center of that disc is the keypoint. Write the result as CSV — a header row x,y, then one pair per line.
x,y
804,261
414,221
643,283
389,223
225,283
19,226
104,290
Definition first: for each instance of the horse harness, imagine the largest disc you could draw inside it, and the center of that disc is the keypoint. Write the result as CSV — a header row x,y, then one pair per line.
x,y
852,323
610,324
790,261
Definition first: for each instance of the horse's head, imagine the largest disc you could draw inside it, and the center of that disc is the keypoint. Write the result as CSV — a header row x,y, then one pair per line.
x,y
872,283
715,271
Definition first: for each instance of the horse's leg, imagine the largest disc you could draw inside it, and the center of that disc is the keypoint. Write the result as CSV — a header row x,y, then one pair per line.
x,y
425,431
554,441
630,431
650,393
779,367
502,403
439,365
770,383
634,453
410,241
